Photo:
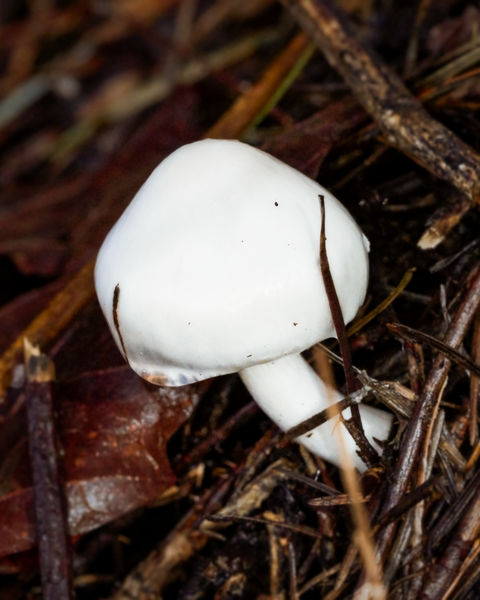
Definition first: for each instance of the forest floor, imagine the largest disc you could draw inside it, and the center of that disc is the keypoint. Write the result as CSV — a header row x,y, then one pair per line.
x,y
192,493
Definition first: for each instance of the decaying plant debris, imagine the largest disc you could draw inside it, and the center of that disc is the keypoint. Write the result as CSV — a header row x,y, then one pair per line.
x,y
192,493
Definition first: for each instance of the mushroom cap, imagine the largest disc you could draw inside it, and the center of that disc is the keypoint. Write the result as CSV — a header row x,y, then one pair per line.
x,y
214,266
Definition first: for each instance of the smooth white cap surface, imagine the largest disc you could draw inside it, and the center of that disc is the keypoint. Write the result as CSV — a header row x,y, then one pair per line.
x,y
216,265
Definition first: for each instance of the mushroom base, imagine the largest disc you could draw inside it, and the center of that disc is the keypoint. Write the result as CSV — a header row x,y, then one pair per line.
x,y
289,391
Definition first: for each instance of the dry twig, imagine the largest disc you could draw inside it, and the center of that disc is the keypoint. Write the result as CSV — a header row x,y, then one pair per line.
x,y
403,121
50,503
424,408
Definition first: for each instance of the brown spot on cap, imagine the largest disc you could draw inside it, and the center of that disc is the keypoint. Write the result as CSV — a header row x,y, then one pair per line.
x,y
156,379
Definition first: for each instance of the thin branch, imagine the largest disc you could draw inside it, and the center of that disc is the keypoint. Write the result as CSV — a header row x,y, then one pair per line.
x,y
325,415
413,335
334,303
353,425
326,489
297,528
443,576
50,503
474,384
422,492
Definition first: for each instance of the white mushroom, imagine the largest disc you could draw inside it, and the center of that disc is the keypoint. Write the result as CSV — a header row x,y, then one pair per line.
x,y
214,268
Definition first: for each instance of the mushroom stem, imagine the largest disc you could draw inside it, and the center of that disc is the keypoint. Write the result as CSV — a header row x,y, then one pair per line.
x,y
289,391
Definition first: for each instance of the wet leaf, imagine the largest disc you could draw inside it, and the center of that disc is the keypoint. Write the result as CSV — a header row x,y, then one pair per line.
x,y
113,433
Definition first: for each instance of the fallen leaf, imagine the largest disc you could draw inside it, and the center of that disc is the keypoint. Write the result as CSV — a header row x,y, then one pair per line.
x,y
113,429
